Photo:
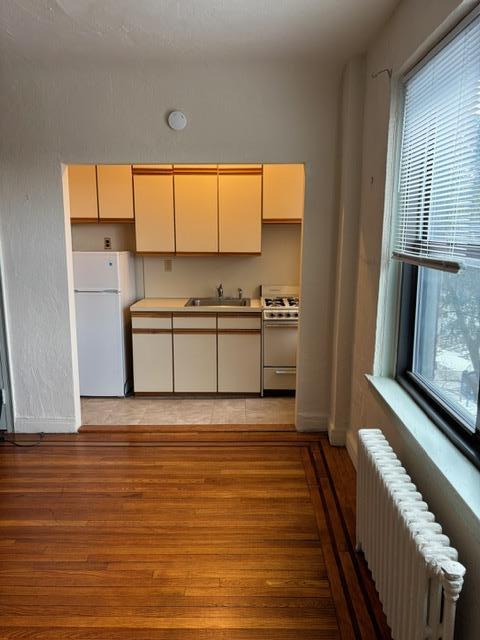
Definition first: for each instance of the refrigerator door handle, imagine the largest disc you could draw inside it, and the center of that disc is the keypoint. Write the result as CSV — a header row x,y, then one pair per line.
x,y
97,290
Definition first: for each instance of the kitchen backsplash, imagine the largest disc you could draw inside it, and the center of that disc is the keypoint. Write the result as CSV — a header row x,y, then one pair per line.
x,y
279,263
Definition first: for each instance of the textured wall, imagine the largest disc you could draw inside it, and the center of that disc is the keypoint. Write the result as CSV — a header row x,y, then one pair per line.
x,y
272,112
353,96
411,30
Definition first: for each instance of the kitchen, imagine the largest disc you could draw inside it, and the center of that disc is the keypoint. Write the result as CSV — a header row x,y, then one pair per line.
x,y
210,320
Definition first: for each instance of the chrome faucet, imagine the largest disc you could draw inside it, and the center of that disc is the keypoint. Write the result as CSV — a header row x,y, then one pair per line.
x,y
220,291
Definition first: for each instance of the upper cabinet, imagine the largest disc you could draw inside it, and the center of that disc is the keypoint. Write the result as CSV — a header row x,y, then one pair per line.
x,y
82,192
283,192
196,208
240,208
189,209
154,211
115,193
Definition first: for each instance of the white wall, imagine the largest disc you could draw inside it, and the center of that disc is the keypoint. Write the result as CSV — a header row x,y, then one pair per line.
x,y
412,29
252,112
350,160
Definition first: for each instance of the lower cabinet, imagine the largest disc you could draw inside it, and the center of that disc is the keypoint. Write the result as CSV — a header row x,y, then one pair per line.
x,y
152,353
191,353
239,348
195,353
238,363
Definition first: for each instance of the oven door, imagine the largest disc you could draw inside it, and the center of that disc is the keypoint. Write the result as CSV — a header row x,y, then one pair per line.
x,y
280,343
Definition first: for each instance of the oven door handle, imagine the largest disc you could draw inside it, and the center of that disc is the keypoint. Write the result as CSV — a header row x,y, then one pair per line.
x,y
281,323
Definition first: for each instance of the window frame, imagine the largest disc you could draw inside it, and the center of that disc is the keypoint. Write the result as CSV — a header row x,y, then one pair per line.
x,y
447,421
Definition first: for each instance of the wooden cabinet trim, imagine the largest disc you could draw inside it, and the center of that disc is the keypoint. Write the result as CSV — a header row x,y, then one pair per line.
x,y
150,314
155,253
190,331
240,171
153,171
194,314
240,253
249,331
282,221
84,220
194,171
246,314
116,220
151,331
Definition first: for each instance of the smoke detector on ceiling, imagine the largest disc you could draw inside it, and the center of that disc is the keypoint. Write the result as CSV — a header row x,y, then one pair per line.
x,y
177,120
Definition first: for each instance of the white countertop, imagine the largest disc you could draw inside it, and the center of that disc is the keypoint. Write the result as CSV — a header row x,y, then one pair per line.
x,y
178,304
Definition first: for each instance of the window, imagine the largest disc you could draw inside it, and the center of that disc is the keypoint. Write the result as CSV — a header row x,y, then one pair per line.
x,y
437,237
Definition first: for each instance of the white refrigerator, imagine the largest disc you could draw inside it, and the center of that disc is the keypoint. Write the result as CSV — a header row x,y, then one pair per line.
x,y
104,290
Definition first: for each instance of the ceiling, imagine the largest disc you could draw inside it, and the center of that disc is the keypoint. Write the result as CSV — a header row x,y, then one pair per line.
x,y
142,30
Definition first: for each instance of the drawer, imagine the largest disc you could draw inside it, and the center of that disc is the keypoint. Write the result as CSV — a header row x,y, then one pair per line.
x,y
151,322
280,344
195,321
237,321
279,378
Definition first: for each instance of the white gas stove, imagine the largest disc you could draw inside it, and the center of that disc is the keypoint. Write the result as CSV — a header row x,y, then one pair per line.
x,y
280,302
280,332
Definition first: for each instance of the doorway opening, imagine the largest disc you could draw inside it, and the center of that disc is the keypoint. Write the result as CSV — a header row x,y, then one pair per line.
x,y
151,351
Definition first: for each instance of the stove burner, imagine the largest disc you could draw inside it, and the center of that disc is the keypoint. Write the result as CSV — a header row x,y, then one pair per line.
x,y
275,302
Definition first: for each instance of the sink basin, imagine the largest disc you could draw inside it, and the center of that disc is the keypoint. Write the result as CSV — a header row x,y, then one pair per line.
x,y
218,302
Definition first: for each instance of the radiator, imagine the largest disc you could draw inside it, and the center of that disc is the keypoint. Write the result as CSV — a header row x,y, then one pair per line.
x,y
415,569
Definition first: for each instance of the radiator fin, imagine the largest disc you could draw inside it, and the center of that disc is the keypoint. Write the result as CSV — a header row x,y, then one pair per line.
x,y
415,569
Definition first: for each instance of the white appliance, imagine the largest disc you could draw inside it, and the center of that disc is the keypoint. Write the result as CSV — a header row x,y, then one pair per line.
x,y
280,305
104,290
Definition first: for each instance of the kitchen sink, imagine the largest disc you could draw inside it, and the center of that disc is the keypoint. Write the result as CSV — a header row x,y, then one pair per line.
x,y
218,302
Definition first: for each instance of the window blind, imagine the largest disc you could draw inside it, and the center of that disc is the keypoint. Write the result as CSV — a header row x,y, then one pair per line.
x,y
438,195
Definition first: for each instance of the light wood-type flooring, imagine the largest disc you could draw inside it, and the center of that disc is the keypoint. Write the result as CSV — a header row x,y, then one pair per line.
x,y
151,411
138,533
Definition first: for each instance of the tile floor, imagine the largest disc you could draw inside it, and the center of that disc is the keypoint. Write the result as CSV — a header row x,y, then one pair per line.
x,y
188,411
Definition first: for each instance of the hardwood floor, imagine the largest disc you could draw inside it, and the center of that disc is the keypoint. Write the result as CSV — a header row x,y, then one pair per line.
x,y
167,533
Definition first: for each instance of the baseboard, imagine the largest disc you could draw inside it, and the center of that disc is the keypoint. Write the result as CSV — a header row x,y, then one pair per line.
x,y
336,437
311,422
352,446
45,425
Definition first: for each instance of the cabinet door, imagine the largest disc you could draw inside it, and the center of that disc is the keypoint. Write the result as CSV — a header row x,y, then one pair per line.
x,y
195,358
115,192
283,192
152,361
239,361
196,208
240,208
82,192
154,217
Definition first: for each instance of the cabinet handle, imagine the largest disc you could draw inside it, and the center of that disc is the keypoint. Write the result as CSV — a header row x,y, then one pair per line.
x,y
284,372
281,324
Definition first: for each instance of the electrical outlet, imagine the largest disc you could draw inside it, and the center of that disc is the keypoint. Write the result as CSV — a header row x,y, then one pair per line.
x,y
107,244
167,265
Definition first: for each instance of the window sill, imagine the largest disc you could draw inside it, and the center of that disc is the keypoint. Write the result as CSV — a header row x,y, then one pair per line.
x,y
459,472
